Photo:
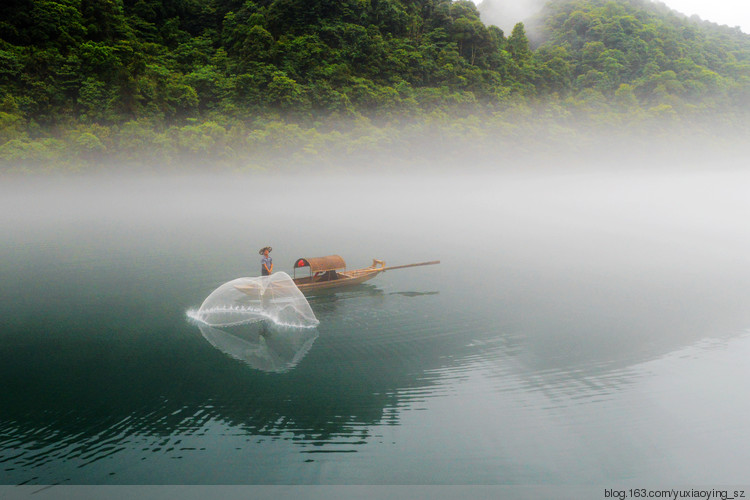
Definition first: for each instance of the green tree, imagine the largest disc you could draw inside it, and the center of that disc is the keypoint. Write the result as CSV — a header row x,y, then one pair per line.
x,y
284,92
518,43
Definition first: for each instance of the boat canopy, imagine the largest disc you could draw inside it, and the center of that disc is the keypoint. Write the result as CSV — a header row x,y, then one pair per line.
x,y
321,264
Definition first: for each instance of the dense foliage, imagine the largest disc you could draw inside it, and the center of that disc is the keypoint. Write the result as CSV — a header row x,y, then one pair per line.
x,y
637,53
245,82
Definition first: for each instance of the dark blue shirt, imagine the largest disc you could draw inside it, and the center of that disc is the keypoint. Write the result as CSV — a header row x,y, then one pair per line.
x,y
265,262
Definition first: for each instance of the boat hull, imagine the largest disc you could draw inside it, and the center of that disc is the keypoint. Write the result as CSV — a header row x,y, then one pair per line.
x,y
345,279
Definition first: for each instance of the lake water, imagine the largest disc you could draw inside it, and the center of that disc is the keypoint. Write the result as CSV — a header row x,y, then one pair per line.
x,y
582,329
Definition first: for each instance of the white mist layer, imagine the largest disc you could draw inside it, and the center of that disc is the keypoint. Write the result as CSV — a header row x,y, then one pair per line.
x,y
273,298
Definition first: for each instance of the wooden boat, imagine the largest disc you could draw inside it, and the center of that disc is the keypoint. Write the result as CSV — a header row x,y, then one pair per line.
x,y
330,272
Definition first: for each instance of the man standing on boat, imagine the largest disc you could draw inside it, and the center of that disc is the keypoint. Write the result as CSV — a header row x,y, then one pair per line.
x,y
266,263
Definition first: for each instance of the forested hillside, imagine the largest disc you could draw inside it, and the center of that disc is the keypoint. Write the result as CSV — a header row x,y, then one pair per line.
x,y
255,84
641,54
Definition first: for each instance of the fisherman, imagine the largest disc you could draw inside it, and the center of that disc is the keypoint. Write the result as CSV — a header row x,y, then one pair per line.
x,y
266,263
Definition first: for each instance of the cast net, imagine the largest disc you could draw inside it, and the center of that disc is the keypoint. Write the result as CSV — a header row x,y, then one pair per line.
x,y
263,348
273,298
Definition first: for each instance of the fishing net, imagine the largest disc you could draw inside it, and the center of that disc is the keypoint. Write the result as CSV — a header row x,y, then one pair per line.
x,y
262,347
272,298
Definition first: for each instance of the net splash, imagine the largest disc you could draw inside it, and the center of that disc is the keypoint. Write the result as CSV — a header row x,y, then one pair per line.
x,y
273,298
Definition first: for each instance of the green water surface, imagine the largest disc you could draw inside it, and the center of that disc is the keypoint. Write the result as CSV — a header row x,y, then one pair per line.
x,y
581,329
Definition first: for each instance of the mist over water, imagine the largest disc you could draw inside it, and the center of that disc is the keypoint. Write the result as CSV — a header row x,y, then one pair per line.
x,y
585,326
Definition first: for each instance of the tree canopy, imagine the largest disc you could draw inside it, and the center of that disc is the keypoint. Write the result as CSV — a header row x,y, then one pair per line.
x,y
190,78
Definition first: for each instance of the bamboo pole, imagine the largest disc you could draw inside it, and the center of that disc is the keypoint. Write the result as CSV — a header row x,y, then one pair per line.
x,y
430,263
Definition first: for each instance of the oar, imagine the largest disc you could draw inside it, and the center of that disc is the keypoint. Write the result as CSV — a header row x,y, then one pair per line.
x,y
430,263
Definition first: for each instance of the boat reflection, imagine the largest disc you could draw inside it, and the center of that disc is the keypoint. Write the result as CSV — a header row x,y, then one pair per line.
x,y
353,291
262,346
413,294
330,304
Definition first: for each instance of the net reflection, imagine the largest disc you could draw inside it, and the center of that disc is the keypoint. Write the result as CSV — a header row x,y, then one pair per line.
x,y
261,346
